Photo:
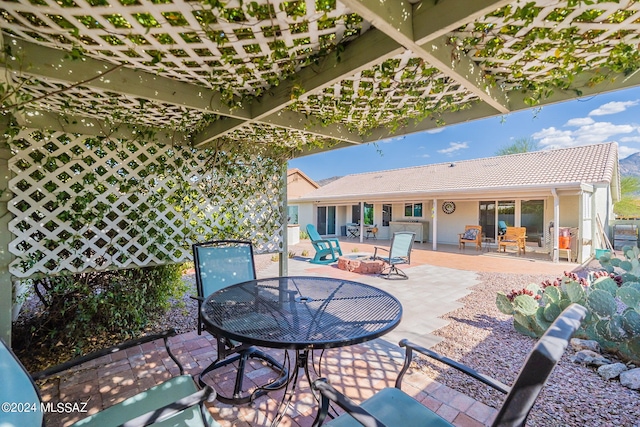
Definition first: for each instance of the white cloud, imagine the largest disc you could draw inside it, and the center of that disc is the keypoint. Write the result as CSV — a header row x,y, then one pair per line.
x,y
425,155
436,130
453,147
554,138
600,132
613,108
630,139
593,133
583,121
624,151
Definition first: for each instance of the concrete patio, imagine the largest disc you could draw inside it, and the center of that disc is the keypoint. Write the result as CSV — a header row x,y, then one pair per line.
x,y
437,280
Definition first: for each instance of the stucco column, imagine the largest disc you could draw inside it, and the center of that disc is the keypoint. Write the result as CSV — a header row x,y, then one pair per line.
x,y
556,225
6,287
434,226
361,222
284,255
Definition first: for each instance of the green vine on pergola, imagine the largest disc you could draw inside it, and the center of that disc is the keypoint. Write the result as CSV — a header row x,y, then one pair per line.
x,y
507,33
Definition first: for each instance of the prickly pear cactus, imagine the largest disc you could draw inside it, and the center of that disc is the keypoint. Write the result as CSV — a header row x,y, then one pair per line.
x,y
612,299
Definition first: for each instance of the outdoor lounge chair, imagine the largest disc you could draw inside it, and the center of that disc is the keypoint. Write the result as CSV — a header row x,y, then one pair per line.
x,y
327,249
472,234
399,253
219,264
392,407
175,402
513,236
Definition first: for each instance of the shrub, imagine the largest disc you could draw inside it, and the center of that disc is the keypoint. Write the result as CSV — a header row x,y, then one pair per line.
x,y
611,296
77,308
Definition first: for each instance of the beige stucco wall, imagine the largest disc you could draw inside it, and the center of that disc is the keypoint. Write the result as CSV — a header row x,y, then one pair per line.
x,y
298,186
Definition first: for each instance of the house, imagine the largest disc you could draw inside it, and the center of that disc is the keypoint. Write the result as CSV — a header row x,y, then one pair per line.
x,y
298,185
574,187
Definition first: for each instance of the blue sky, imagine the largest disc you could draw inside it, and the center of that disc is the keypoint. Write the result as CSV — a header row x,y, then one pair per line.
x,y
607,117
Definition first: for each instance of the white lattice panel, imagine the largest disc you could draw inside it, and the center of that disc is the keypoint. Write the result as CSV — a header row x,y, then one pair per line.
x,y
245,45
87,203
403,86
558,38
117,107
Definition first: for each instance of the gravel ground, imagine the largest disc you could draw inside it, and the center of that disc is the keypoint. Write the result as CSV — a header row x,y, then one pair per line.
x,y
483,338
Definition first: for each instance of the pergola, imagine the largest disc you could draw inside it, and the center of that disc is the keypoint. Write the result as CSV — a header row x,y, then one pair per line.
x,y
104,93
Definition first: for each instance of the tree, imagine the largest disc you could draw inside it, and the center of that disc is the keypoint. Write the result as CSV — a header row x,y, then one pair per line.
x,y
521,145
628,205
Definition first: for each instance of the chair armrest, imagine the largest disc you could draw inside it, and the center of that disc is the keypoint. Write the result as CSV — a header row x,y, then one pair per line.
x,y
328,393
410,347
105,351
207,394
375,251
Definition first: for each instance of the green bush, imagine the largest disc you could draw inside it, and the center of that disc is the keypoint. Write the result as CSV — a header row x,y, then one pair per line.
x,y
77,308
612,298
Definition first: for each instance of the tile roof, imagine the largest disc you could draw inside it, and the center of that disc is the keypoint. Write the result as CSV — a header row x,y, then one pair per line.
x,y
587,164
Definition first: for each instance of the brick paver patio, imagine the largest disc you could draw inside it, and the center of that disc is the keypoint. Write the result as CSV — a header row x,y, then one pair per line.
x,y
359,371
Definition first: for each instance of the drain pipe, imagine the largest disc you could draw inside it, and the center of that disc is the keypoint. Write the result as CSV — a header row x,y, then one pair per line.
x,y
556,225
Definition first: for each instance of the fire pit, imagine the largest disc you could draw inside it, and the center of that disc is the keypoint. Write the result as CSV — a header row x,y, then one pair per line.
x,y
360,263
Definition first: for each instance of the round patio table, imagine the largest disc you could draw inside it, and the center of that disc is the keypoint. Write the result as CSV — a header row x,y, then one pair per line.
x,y
302,314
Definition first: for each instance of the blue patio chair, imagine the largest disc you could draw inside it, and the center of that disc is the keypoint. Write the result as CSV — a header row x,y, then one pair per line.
x,y
399,253
175,402
327,249
392,407
502,228
219,264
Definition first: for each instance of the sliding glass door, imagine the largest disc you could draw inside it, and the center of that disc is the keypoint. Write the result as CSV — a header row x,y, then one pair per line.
x,y
532,217
326,221
488,218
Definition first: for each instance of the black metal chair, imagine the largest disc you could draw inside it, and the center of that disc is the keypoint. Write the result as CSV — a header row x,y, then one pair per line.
x,y
177,401
219,264
399,253
392,407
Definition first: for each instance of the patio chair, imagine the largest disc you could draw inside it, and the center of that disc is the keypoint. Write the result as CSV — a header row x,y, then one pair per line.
x,y
502,228
399,253
514,236
177,401
472,234
219,264
327,249
392,407
372,232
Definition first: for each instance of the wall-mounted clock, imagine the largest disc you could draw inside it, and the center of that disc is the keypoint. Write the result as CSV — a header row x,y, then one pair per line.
x,y
448,207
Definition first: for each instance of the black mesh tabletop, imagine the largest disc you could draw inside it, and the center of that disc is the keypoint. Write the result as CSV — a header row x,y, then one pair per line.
x,y
302,312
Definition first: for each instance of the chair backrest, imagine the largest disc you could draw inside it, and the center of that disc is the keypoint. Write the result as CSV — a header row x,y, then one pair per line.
x,y
313,232
478,234
401,244
538,366
222,263
19,388
502,227
515,232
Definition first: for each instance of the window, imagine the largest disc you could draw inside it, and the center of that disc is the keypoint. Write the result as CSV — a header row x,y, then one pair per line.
x,y
355,214
368,214
413,209
386,215
292,213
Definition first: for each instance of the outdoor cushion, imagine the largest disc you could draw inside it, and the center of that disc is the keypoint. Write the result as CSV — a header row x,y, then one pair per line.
x,y
470,234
